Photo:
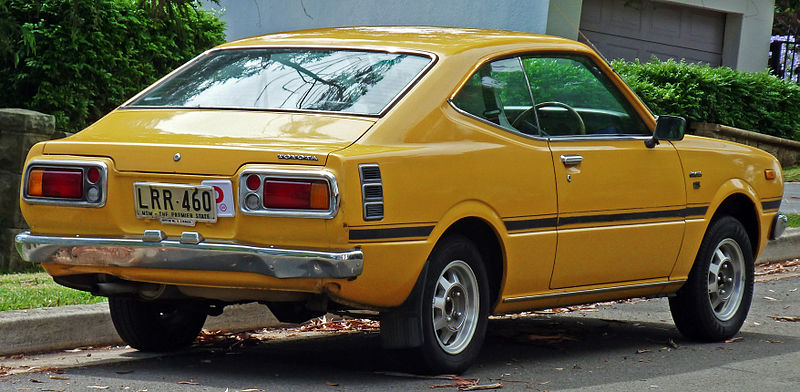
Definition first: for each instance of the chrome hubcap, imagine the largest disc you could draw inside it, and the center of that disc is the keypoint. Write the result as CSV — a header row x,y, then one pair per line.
x,y
726,279
455,307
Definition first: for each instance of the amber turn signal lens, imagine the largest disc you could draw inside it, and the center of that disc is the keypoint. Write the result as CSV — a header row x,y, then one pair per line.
x,y
320,200
770,174
35,182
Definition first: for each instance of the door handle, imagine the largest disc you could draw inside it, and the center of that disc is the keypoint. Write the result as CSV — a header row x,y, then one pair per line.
x,y
571,160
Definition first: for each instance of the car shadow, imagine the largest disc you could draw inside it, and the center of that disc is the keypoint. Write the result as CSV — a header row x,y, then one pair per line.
x,y
567,350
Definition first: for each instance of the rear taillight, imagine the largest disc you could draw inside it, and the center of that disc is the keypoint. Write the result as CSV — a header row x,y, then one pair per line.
x,y
288,193
57,183
308,195
65,182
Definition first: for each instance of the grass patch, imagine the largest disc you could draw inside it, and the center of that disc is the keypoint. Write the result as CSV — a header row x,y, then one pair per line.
x,y
794,220
37,290
791,173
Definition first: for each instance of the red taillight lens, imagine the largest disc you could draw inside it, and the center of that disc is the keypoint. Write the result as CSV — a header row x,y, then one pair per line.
x,y
93,174
253,182
296,194
59,183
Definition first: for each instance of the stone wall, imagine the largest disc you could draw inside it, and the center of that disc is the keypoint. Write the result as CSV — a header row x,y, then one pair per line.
x,y
787,151
19,130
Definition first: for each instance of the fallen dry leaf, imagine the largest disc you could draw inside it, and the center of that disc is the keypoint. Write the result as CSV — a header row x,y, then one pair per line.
x,y
482,387
785,318
5,379
97,386
736,339
59,378
52,390
188,383
642,351
458,382
774,341
252,390
333,384
36,381
770,299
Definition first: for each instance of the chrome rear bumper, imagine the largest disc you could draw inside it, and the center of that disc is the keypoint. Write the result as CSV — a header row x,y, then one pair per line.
x,y
201,255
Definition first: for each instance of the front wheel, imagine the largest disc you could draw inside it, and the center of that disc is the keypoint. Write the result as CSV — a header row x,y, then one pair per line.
x,y
454,308
714,302
155,326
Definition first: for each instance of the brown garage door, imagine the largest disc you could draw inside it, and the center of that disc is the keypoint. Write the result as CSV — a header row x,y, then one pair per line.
x,y
642,29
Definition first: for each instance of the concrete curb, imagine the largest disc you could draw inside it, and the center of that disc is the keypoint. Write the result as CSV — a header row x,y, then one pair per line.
x,y
787,247
50,329
64,327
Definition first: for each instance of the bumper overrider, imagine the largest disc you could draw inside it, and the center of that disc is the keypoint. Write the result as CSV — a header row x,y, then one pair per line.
x,y
190,252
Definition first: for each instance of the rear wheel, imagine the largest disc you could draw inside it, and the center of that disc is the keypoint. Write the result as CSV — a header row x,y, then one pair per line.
x,y
155,326
714,302
454,307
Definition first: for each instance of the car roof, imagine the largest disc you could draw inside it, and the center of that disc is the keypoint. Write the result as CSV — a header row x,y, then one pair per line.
x,y
443,41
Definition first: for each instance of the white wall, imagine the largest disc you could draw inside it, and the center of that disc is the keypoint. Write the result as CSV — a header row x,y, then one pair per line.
x,y
254,17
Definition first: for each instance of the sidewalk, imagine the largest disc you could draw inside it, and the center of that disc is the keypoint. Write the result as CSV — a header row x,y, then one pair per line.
x,y
64,327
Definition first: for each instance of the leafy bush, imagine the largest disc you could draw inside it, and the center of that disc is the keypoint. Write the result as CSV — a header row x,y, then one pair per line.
x,y
754,101
79,59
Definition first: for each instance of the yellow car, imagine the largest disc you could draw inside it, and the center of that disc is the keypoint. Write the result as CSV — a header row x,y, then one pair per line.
x,y
435,175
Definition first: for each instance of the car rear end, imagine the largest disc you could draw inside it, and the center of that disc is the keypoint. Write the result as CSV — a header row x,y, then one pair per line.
x,y
215,183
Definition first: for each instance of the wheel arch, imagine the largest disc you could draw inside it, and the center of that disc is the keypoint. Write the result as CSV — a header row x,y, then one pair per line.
x,y
481,224
738,199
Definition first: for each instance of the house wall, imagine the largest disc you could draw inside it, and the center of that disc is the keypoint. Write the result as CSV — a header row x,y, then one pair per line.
x,y
254,17
747,27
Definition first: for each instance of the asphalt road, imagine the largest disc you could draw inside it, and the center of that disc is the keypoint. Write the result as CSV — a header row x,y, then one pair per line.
x,y
625,346
791,198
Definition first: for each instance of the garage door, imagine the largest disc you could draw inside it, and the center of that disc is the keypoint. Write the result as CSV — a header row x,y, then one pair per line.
x,y
632,29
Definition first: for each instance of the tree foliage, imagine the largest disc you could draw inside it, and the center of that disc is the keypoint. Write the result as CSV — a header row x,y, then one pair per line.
x,y
79,59
756,101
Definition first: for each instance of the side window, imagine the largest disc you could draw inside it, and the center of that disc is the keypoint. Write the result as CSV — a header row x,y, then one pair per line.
x,y
574,97
497,92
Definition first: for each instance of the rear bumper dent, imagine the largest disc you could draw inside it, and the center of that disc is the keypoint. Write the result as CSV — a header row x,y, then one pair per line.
x,y
202,256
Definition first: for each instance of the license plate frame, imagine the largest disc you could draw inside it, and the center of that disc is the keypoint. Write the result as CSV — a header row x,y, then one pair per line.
x,y
201,201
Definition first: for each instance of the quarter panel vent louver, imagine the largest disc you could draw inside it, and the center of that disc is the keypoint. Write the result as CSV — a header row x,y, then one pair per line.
x,y
371,191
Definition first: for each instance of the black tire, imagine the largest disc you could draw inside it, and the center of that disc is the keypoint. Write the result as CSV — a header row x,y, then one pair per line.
x,y
155,326
714,302
453,347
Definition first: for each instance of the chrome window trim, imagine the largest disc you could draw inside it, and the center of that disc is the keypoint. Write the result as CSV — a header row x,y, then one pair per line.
x,y
591,291
433,60
62,163
301,174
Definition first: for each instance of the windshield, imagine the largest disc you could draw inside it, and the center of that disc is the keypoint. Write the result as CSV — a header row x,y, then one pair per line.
x,y
349,81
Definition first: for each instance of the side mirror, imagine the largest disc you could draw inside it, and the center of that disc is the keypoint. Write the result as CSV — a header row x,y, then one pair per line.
x,y
669,128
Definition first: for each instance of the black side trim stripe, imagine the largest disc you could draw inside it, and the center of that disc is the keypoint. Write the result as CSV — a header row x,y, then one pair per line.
x,y
398,232
771,205
696,211
528,224
545,223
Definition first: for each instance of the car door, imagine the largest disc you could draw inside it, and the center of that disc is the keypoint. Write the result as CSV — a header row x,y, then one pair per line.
x,y
521,188
620,204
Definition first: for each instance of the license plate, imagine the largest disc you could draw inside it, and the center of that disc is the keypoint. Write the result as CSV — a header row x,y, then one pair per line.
x,y
175,202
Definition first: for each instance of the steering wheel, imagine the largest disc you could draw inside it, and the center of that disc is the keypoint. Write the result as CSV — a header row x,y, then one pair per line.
x,y
523,118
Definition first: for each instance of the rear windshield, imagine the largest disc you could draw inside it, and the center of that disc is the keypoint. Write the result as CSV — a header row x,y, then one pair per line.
x,y
347,81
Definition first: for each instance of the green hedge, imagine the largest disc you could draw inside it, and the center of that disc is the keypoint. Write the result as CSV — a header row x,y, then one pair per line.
x,y
79,59
754,101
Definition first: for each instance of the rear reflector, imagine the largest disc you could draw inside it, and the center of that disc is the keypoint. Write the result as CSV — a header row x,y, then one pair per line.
x,y
56,183
296,194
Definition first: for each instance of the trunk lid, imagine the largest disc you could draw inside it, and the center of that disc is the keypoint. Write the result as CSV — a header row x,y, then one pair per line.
x,y
215,142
